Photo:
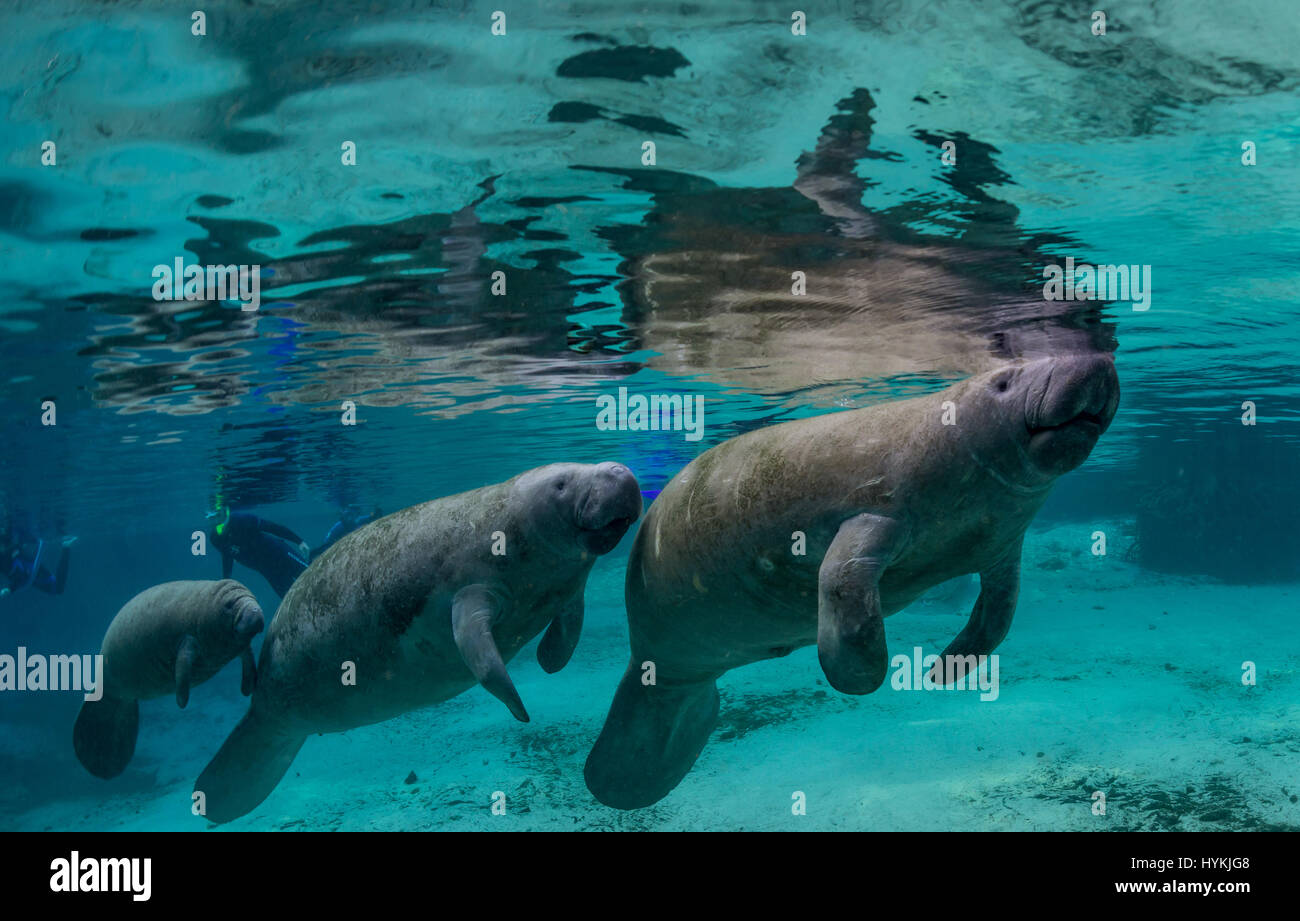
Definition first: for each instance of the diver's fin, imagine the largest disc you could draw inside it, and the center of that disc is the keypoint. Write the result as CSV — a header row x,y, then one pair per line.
x,y
248,679
650,739
561,637
104,735
850,625
989,622
247,768
186,655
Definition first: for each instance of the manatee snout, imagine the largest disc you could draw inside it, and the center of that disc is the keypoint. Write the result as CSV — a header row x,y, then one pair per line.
x,y
1072,402
612,503
249,619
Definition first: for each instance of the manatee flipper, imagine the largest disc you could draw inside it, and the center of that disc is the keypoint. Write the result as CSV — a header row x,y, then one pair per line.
x,y
247,768
650,740
850,625
989,622
561,638
186,655
248,679
473,611
104,735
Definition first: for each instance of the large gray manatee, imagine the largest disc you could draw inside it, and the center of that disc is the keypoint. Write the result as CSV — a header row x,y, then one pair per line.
x,y
165,640
892,501
419,608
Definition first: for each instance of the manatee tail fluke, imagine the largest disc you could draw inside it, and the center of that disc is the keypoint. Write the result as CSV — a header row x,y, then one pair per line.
x,y
650,740
247,768
104,736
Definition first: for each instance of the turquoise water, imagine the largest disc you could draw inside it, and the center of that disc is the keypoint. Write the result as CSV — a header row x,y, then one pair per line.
x,y
523,154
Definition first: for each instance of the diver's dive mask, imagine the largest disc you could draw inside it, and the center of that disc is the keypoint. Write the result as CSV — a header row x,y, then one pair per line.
x,y
224,514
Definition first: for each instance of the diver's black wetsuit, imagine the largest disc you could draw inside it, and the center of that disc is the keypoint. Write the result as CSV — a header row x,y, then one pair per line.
x,y
22,570
270,548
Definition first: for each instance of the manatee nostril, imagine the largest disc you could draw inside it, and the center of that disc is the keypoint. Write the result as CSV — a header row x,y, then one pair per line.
x,y
615,469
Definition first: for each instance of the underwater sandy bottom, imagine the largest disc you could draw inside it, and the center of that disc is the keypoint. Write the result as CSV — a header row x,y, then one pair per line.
x,y
1112,678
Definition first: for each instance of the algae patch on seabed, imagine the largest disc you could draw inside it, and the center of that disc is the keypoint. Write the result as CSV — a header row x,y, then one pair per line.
x,y
1215,802
746,713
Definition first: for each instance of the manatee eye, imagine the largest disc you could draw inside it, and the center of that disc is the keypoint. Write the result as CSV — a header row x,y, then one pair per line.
x,y
1002,386
561,483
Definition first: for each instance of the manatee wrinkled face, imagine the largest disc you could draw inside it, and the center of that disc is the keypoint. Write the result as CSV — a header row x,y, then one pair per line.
x,y
600,500
1056,408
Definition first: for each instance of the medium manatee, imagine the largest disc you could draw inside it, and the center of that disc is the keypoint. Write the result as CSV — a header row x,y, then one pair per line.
x,y
892,501
422,609
164,640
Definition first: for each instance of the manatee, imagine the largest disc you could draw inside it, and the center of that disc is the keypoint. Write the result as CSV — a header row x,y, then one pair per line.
x,y
891,501
165,640
419,608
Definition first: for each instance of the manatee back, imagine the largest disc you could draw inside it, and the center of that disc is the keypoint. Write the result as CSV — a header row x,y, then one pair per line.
x,y
751,492
373,600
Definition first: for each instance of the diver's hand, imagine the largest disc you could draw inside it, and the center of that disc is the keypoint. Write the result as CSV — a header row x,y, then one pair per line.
x,y
306,550
69,541
4,591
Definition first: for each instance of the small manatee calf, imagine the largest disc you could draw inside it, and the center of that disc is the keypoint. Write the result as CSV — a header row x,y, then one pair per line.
x,y
165,640
885,502
419,606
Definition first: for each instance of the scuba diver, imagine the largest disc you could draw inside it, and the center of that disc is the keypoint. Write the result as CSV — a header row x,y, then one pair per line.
x,y
272,549
349,520
22,564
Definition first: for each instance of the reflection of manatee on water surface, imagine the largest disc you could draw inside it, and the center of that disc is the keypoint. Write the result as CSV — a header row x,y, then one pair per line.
x,y
420,606
711,277
403,312
892,499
